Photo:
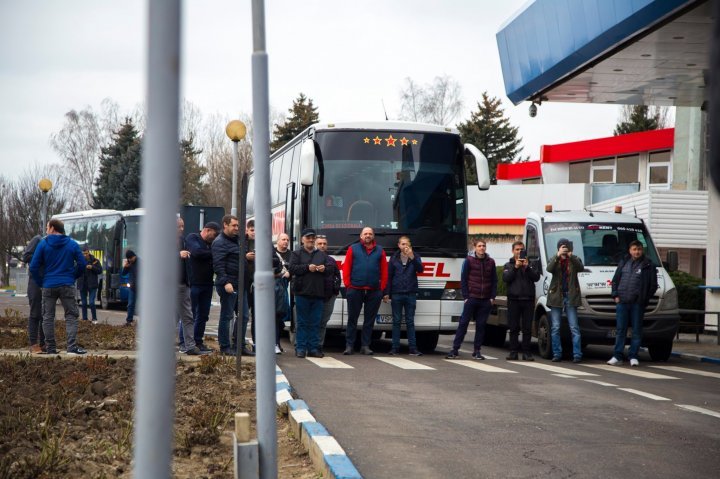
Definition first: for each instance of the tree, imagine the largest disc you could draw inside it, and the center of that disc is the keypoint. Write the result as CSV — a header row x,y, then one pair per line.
x,y
439,102
302,114
490,131
193,186
634,118
118,182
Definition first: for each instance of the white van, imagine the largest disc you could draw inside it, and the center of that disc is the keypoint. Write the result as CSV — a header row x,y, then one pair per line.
x,y
600,240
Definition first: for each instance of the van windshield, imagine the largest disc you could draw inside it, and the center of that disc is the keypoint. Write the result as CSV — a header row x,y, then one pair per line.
x,y
599,244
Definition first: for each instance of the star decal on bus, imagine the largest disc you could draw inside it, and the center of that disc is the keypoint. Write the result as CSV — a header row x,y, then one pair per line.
x,y
390,141
366,140
404,141
377,140
414,142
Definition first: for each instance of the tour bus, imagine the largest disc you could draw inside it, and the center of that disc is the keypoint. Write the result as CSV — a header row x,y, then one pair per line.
x,y
600,240
399,178
108,234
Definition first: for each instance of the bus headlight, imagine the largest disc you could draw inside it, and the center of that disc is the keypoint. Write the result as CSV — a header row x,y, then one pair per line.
x,y
451,294
670,300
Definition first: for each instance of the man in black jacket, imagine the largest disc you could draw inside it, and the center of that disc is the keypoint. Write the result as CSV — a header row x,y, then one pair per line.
x,y
88,284
201,278
34,293
307,270
332,287
130,268
520,279
634,283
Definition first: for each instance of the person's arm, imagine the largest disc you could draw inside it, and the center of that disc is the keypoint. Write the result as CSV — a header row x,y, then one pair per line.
x,y
347,267
80,263
30,249
218,256
193,243
96,266
552,264
509,272
464,273
36,263
296,267
417,261
616,279
391,275
493,281
383,271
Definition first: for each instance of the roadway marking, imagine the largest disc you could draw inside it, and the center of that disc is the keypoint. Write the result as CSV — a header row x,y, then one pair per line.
x,y
329,363
629,372
601,383
689,371
404,363
567,376
643,394
701,410
474,364
555,369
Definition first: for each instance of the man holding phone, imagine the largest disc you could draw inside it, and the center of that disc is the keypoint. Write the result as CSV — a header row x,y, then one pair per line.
x,y
520,279
564,293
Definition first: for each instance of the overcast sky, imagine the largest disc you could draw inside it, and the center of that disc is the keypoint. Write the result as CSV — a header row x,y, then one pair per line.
x,y
347,56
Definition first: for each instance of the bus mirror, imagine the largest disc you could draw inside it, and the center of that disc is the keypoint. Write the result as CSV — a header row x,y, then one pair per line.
x,y
672,261
307,162
481,166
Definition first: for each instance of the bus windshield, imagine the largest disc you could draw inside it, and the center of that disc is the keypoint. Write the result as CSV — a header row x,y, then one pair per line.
x,y
599,244
398,183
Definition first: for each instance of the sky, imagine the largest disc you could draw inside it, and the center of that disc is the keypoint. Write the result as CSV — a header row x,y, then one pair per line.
x,y
349,57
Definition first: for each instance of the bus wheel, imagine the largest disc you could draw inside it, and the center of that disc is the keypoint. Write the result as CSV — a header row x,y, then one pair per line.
x,y
427,340
543,336
660,351
104,303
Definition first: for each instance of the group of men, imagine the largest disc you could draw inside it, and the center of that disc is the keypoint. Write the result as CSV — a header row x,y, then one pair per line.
x,y
211,259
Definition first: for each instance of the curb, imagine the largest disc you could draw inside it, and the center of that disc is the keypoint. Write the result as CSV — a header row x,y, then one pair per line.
x,y
696,357
325,452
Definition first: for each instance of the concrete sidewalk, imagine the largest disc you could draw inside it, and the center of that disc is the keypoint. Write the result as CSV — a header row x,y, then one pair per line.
x,y
707,350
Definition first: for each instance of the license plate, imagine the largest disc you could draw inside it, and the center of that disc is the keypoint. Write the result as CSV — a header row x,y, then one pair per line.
x,y
613,333
384,319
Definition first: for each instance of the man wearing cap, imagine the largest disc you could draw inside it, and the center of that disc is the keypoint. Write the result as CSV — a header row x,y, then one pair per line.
x,y
365,273
307,270
88,283
564,293
130,268
201,278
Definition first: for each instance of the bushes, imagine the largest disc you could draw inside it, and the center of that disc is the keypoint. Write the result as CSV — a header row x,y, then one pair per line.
x,y
689,295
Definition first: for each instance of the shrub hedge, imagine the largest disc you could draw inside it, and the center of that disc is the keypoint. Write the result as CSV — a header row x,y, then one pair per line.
x,y
689,295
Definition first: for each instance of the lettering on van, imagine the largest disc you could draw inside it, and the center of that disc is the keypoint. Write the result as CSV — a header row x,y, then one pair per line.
x,y
598,285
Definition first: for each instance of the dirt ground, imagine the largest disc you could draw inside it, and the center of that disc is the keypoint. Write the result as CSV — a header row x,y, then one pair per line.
x,y
74,417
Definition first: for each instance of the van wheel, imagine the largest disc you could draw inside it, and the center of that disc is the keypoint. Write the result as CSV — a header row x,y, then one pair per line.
x,y
660,351
495,336
543,336
427,340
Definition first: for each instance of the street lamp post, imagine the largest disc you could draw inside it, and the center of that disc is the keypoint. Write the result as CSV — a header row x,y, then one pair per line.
x,y
45,186
235,130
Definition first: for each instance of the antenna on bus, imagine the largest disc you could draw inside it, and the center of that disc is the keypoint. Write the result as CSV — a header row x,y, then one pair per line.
x,y
384,110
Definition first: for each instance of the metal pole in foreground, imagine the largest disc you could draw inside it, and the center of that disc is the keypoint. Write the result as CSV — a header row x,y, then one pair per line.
x,y
241,275
158,260
45,186
264,280
233,203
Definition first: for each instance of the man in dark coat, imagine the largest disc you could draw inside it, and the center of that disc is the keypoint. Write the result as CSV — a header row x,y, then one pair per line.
x,y
520,278
130,268
201,278
88,284
34,292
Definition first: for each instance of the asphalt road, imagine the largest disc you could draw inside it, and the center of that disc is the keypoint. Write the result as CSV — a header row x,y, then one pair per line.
x,y
518,420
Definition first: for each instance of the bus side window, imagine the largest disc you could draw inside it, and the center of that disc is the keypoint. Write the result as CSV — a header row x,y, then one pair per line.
x,y
275,180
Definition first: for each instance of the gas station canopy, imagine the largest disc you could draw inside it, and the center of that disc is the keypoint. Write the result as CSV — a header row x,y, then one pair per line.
x,y
652,52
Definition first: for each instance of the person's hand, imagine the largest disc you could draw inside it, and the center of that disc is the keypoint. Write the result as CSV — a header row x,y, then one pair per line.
x,y
409,252
386,299
492,301
563,251
518,263
88,266
229,288
312,268
125,263
617,300
250,256
320,268
184,254
286,273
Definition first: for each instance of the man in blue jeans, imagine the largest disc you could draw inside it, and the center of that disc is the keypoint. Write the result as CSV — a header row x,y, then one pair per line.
x,y
478,281
365,272
201,279
130,268
401,291
88,284
634,283
564,293
55,266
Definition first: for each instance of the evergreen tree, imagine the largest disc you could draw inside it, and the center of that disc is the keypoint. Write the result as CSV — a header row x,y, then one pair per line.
x,y
302,114
118,183
637,118
491,132
193,173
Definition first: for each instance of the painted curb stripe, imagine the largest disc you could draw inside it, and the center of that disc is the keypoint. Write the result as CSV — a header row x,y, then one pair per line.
x,y
282,385
313,429
329,446
283,396
341,467
302,415
296,404
280,378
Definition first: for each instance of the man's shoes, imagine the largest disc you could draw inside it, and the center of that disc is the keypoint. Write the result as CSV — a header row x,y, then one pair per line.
x,y
278,349
415,352
50,351
77,350
195,352
477,355
366,351
556,359
452,355
513,356
316,354
348,351
228,351
528,356
205,349
129,323
634,363
300,353
247,352
577,360
35,349
182,349
94,321
394,352
613,361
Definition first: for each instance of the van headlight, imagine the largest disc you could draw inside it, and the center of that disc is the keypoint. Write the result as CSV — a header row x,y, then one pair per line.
x,y
670,300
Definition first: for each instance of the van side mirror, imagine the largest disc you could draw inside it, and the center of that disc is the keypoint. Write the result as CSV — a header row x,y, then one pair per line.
x,y
672,261
481,166
307,162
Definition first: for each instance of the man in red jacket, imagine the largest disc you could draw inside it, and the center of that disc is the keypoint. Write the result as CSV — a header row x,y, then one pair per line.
x,y
365,273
